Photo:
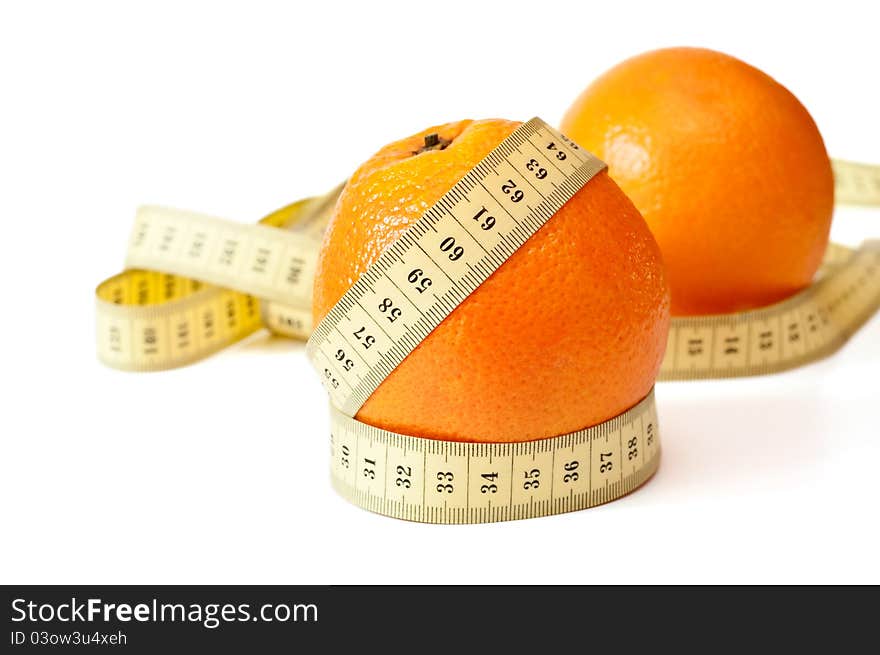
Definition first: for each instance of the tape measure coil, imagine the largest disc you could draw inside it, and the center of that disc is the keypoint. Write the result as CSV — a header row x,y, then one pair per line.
x,y
167,311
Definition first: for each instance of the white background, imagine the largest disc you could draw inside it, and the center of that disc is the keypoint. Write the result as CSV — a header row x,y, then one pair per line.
x,y
217,473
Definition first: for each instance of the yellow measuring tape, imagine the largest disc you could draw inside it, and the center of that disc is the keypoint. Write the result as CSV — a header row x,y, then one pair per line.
x,y
453,482
420,274
195,284
805,327
856,184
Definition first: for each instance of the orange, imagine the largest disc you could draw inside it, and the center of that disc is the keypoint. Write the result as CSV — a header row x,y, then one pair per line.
x,y
726,166
568,332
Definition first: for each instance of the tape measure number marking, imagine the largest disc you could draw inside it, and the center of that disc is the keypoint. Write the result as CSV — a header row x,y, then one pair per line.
x,y
451,482
801,329
206,296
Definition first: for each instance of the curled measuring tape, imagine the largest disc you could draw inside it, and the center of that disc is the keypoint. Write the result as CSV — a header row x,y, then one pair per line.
x,y
195,284
453,482
803,328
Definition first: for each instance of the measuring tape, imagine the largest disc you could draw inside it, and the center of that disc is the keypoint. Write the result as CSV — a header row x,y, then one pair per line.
x,y
856,184
438,481
416,273
220,281
805,327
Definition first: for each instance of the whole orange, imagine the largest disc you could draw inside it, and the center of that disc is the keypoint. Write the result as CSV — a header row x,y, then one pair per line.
x,y
726,166
567,333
